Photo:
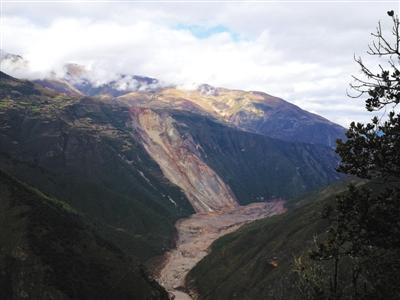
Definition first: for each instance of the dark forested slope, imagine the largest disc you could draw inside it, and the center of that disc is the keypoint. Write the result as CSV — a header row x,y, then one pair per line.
x,y
257,167
82,151
48,251
256,262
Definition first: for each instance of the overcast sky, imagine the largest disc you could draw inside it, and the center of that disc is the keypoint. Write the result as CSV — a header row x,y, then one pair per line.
x,y
301,51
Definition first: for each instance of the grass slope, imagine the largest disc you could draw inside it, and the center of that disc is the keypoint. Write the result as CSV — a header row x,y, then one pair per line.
x,y
48,251
255,262
84,152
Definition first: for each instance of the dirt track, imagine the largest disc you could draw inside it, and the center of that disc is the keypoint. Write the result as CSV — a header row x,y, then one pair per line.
x,y
195,235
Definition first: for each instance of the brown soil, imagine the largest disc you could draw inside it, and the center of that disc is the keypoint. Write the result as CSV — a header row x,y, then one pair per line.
x,y
195,235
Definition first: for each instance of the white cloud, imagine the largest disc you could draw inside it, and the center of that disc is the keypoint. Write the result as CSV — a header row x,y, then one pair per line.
x,y
300,52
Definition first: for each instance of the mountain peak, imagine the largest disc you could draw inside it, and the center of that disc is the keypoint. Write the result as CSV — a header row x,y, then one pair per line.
x,y
207,90
74,70
12,63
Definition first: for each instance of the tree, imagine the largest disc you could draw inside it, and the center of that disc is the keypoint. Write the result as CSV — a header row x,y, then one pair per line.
x,y
360,252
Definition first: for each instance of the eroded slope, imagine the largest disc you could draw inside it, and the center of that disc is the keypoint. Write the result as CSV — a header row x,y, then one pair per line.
x,y
180,160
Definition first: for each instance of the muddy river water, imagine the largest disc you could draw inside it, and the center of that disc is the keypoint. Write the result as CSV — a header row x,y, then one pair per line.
x,y
196,234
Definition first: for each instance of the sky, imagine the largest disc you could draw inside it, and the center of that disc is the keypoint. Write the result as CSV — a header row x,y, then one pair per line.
x,y
301,51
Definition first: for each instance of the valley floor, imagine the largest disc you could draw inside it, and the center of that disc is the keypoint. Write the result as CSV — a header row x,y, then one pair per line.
x,y
196,234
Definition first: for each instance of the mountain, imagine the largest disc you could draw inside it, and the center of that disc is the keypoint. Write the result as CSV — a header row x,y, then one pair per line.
x,y
13,63
88,84
131,165
84,152
76,78
256,262
140,169
49,251
257,167
251,111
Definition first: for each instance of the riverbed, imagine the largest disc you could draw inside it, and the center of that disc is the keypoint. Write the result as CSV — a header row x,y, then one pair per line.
x,y
196,234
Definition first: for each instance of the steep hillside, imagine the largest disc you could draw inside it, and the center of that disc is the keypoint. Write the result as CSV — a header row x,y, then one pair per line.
x,y
255,262
104,149
48,251
180,160
133,165
257,167
60,86
251,111
84,152
218,165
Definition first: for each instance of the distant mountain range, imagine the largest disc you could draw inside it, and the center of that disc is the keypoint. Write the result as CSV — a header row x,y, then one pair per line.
x,y
132,156
252,111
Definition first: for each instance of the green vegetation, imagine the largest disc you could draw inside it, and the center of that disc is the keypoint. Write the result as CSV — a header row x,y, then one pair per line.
x,y
86,155
5,104
257,167
359,257
339,243
48,252
84,152
256,261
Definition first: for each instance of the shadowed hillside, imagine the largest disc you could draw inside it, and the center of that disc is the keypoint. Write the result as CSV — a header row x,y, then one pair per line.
x,y
133,171
83,151
256,262
47,251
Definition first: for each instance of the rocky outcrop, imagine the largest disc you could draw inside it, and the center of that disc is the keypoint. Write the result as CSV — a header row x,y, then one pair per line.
x,y
179,159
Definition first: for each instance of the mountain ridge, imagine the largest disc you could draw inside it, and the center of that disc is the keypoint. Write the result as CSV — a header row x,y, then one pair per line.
x,y
95,139
102,156
252,111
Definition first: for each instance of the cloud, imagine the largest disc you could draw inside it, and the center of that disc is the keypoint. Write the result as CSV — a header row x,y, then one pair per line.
x,y
298,51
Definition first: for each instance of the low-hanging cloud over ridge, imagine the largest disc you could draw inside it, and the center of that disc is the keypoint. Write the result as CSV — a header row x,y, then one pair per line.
x,y
297,52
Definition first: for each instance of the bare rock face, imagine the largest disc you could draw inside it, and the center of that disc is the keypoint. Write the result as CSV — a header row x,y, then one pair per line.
x,y
179,159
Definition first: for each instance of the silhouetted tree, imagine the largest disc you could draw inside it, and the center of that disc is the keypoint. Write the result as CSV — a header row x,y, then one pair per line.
x,y
360,253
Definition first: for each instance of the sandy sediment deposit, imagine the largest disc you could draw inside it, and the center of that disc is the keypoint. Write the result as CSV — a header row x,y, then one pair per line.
x,y
196,234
